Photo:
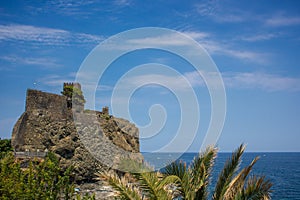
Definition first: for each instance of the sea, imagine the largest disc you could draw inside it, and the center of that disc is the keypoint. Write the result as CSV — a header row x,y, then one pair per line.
x,y
283,169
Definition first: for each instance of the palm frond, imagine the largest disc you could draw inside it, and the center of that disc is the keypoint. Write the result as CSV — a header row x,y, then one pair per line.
x,y
124,189
191,182
227,173
176,168
201,171
169,187
153,184
145,176
180,170
147,183
256,188
239,181
172,179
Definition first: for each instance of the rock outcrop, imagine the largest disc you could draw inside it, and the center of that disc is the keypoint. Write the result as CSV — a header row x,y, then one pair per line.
x,y
88,140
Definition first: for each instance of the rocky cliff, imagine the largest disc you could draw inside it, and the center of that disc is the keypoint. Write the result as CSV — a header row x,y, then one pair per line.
x,y
88,140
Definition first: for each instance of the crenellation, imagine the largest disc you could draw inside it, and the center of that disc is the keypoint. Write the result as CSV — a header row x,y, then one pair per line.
x,y
73,84
54,103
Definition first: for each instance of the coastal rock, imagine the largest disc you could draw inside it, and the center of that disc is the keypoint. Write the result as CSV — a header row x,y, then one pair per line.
x,y
89,140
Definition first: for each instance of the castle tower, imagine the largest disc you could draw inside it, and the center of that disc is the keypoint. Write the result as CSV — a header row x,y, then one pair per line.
x,y
75,85
75,98
105,110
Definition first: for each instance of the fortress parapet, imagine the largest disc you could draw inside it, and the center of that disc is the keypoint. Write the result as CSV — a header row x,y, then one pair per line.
x,y
75,85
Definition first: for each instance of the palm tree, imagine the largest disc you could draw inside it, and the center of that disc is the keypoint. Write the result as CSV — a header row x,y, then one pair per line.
x,y
193,180
233,185
182,182
141,183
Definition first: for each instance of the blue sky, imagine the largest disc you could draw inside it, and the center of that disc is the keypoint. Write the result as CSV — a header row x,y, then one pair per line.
x,y
255,45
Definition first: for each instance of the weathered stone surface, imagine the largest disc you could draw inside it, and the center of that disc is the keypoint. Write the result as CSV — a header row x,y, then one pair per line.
x,y
102,192
91,142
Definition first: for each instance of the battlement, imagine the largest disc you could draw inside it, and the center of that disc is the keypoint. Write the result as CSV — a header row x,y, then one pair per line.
x,y
75,85
60,105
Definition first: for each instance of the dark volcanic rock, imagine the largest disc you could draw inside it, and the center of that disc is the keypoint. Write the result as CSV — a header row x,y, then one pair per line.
x,y
91,142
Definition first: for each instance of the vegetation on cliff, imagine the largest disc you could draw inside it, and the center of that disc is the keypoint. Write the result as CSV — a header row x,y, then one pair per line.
x,y
5,146
177,181
35,179
74,93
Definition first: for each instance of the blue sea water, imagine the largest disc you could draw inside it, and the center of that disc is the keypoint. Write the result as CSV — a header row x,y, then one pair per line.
x,y
283,169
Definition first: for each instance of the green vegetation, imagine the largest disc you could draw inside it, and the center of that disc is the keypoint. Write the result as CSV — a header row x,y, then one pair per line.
x,y
181,182
5,146
105,116
74,93
40,179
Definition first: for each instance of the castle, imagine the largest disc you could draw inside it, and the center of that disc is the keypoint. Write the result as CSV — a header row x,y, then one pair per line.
x,y
90,141
60,124
58,104
58,107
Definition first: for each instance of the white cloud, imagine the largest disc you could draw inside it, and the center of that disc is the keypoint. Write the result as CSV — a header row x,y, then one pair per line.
x,y
196,35
56,80
207,8
263,81
215,47
44,62
220,13
195,78
246,55
259,37
32,34
283,21
185,83
163,40
68,7
178,82
45,36
251,80
79,9
212,45
236,80
104,88
168,39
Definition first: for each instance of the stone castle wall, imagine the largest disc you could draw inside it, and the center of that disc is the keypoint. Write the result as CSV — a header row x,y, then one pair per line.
x,y
38,100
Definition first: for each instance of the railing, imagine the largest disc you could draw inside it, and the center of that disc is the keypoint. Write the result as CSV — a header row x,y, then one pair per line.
x,y
30,154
